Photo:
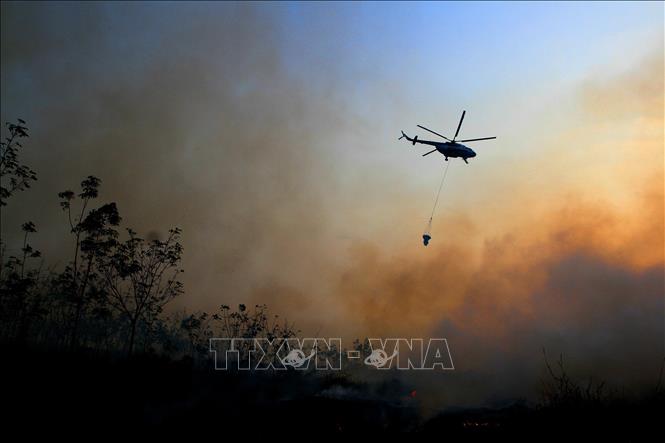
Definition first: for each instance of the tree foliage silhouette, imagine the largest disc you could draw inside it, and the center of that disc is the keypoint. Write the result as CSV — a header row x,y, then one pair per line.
x,y
19,175
94,234
141,277
112,292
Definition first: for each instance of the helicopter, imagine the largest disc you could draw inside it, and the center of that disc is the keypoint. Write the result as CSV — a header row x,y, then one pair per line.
x,y
450,148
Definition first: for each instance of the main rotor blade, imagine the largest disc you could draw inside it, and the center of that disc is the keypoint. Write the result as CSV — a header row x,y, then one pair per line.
x,y
428,153
460,124
435,133
475,139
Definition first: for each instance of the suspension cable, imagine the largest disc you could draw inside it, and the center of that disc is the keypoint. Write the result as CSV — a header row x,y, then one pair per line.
x,y
436,201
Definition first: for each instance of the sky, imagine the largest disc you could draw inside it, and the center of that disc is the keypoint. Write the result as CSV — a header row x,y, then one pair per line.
x,y
268,133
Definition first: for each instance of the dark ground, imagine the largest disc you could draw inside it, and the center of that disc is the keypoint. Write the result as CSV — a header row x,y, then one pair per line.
x,y
74,392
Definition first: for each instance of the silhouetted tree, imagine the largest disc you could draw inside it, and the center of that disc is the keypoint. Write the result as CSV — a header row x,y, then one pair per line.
x,y
112,292
141,277
246,323
19,299
94,236
20,175
561,391
251,323
197,328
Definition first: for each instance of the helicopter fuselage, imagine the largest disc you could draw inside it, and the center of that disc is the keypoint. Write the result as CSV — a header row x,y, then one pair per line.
x,y
455,150
448,149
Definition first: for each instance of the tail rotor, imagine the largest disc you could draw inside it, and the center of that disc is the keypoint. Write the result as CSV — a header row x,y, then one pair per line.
x,y
413,140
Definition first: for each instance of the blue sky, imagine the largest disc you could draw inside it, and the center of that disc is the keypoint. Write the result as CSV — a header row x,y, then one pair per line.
x,y
439,42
